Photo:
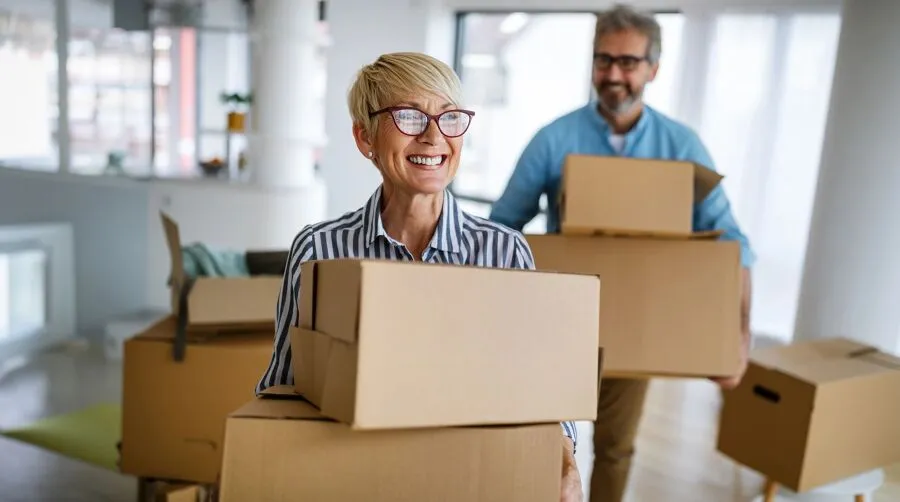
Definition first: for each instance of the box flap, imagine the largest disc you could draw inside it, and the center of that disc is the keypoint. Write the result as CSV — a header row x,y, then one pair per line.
x,y
705,180
329,296
279,403
826,360
173,240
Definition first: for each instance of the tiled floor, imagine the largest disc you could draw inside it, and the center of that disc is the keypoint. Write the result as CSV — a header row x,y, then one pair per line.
x,y
677,461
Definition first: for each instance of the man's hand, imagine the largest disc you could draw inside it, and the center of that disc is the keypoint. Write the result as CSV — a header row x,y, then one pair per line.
x,y
571,479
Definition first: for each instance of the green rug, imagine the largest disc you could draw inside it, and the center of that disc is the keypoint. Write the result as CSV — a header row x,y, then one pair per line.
x,y
90,434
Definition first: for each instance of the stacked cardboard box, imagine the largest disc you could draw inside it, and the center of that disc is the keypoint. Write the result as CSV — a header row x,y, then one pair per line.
x,y
184,374
671,296
422,382
814,412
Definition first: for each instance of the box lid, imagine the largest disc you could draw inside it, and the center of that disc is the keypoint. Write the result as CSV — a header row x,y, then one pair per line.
x,y
826,360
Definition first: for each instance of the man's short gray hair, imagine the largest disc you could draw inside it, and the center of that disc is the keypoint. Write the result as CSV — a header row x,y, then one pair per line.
x,y
623,17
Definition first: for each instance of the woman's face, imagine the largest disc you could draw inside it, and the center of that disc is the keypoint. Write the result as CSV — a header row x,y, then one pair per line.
x,y
412,152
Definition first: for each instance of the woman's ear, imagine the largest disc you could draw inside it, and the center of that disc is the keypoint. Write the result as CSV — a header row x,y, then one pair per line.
x,y
363,143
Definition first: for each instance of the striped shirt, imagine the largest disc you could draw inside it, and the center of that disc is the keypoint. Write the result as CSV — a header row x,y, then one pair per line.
x,y
460,239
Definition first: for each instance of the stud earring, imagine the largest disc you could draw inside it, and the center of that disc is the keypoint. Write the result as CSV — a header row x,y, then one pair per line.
x,y
370,154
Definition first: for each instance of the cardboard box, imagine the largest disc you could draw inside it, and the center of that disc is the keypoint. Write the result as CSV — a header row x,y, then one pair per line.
x,y
626,196
285,450
391,344
173,413
153,490
216,304
669,307
814,412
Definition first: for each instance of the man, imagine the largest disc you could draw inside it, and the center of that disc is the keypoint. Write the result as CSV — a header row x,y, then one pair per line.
x,y
627,47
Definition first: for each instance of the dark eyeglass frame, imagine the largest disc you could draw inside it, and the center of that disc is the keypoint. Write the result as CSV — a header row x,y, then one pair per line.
x,y
430,117
625,62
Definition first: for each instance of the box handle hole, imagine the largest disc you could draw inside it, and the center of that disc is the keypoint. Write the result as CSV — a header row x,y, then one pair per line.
x,y
767,394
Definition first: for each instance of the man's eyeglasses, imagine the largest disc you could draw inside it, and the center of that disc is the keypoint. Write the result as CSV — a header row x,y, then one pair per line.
x,y
604,61
414,122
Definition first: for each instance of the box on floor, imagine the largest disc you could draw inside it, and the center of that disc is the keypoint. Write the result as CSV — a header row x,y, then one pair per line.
x,y
173,412
279,447
814,412
388,345
217,304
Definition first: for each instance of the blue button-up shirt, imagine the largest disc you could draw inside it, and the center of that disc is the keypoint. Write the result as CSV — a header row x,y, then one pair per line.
x,y
585,131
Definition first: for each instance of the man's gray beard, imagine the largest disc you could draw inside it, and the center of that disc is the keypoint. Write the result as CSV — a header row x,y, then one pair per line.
x,y
624,106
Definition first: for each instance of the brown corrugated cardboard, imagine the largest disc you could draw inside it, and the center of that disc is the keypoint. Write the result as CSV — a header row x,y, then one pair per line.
x,y
814,412
285,450
626,196
219,303
173,413
153,490
396,344
669,307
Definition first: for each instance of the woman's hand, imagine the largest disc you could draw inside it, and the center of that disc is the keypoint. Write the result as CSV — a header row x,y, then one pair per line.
x,y
571,479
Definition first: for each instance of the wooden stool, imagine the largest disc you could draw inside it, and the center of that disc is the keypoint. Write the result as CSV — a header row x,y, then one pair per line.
x,y
861,487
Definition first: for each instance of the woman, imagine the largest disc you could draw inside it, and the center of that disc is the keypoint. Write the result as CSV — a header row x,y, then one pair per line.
x,y
406,121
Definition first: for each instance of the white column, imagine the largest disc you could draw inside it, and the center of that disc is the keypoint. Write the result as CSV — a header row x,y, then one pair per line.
x,y
361,33
286,123
851,283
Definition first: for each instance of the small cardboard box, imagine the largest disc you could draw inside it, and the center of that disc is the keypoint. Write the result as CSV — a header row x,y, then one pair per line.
x,y
173,413
280,450
626,196
388,344
214,304
669,307
814,412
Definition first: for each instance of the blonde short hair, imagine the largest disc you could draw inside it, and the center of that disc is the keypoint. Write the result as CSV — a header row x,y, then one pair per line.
x,y
397,75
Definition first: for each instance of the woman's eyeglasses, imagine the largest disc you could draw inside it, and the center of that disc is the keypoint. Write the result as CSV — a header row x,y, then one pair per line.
x,y
414,122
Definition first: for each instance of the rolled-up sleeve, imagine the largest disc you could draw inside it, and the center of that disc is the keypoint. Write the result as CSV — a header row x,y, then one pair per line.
x,y
523,258
714,212
520,201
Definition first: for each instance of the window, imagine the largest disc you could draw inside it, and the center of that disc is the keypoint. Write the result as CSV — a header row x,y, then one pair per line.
x,y
760,109
28,102
23,293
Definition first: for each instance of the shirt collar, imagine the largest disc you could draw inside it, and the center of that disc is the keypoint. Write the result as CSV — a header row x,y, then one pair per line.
x,y
447,234
600,122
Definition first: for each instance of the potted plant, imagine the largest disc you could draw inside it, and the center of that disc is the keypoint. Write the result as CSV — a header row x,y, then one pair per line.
x,y
238,104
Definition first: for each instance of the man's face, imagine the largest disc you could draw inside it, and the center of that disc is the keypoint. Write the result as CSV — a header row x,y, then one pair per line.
x,y
621,70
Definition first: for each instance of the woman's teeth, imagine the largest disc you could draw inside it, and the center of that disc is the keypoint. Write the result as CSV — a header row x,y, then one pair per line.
x,y
424,160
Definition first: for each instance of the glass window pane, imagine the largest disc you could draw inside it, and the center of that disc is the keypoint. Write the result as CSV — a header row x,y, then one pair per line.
x,y
109,97
736,85
662,92
23,292
28,102
506,65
